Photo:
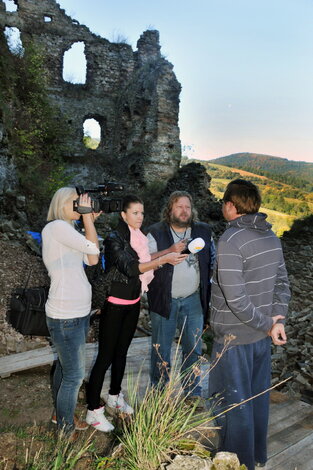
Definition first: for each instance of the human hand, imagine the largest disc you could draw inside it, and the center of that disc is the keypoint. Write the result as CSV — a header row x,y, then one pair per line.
x,y
172,258
178,247
278,334
84,200
84,204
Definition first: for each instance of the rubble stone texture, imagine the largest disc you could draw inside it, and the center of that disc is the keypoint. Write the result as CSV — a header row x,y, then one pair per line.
x,y
222,461
134,96
296,357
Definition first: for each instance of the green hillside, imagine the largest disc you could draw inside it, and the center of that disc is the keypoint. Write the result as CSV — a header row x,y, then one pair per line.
x,y
283,203
297,174
91,142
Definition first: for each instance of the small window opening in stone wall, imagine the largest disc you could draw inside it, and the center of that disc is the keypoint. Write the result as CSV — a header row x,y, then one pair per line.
x,y
13,37
10,5
47,19
75,64
92,133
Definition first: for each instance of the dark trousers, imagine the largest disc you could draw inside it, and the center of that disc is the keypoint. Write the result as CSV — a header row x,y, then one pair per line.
x,y
116,330
242,372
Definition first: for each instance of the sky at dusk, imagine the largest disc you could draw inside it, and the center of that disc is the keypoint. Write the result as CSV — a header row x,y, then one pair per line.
x,y
245,66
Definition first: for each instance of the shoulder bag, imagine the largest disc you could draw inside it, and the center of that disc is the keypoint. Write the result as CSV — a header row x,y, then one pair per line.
x,y
26,311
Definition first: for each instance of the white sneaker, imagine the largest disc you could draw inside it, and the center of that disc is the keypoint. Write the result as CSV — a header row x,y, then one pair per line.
x,y
117,404
97,419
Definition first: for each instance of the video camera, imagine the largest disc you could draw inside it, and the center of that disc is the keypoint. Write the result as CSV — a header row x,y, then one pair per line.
x,y
99,198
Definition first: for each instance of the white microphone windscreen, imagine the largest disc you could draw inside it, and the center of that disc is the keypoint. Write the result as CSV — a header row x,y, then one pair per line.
x,y
196,245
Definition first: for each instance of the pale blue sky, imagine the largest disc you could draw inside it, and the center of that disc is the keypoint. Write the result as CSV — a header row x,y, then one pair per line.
x,y
246,67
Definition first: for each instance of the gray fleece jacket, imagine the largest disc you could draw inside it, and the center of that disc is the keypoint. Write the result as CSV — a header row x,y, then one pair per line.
x,y
250,283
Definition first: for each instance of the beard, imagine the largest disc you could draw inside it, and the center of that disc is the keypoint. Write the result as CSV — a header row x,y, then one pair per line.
x,y
180,223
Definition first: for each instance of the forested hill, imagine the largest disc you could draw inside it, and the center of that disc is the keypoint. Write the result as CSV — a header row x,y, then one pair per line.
x,y
298,174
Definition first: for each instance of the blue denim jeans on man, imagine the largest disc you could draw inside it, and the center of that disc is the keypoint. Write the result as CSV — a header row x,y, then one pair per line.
x,y
186,315
69,339
243,371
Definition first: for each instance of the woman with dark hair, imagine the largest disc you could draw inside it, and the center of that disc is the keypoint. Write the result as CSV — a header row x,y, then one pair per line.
x,y
127,255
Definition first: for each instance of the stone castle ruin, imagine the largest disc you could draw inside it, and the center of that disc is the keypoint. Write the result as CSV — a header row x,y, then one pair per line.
x,y
133,95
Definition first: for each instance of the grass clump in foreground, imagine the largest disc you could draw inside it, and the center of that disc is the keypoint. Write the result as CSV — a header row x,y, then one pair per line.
x,y
164,424
41,449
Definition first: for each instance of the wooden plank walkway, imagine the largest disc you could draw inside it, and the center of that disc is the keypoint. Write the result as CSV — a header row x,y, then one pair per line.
x,y
290,436
290,443
47,355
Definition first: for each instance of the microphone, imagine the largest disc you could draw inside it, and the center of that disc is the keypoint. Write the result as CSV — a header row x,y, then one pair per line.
x,y
194,246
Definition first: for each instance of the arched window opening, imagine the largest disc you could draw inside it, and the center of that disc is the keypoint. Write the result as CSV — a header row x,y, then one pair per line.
x,y
10,5
47,19
13,37
92,133
75,64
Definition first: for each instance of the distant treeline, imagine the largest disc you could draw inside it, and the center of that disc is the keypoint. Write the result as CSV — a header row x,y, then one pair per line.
x,y
298,174
276,201
286,178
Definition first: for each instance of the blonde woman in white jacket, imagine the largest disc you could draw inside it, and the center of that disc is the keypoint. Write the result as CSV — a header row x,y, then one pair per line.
x,y
69,301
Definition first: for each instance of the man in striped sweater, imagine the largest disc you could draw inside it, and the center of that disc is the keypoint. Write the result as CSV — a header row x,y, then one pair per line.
x,y
250,295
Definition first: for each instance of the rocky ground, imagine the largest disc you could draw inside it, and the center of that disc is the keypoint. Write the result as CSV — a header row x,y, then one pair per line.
x,y
296,358
17,261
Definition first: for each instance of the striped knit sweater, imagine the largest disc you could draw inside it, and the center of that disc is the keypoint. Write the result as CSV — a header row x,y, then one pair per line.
x,y
250,283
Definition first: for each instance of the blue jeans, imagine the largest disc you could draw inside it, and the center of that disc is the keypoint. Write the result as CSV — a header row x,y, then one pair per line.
x,y
186,315
243,371
69,339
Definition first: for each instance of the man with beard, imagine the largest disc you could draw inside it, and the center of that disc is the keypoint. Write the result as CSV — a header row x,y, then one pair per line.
x,y
179,295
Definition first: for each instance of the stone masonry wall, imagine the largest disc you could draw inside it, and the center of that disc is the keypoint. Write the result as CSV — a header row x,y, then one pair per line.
x,y
134,95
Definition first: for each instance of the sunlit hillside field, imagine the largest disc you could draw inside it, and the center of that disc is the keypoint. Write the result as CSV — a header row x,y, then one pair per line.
x,y
280,221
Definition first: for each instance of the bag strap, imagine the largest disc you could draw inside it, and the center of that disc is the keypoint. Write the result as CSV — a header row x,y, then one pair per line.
x,y
27,280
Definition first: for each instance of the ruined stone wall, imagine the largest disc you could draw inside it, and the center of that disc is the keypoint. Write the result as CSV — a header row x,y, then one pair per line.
x,y
134,95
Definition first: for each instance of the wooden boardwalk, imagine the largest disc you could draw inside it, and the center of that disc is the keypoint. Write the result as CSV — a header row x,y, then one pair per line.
x,y
291,422
290,438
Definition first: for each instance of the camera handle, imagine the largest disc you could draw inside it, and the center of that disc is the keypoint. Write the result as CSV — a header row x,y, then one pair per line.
x,y
84,210
81,209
